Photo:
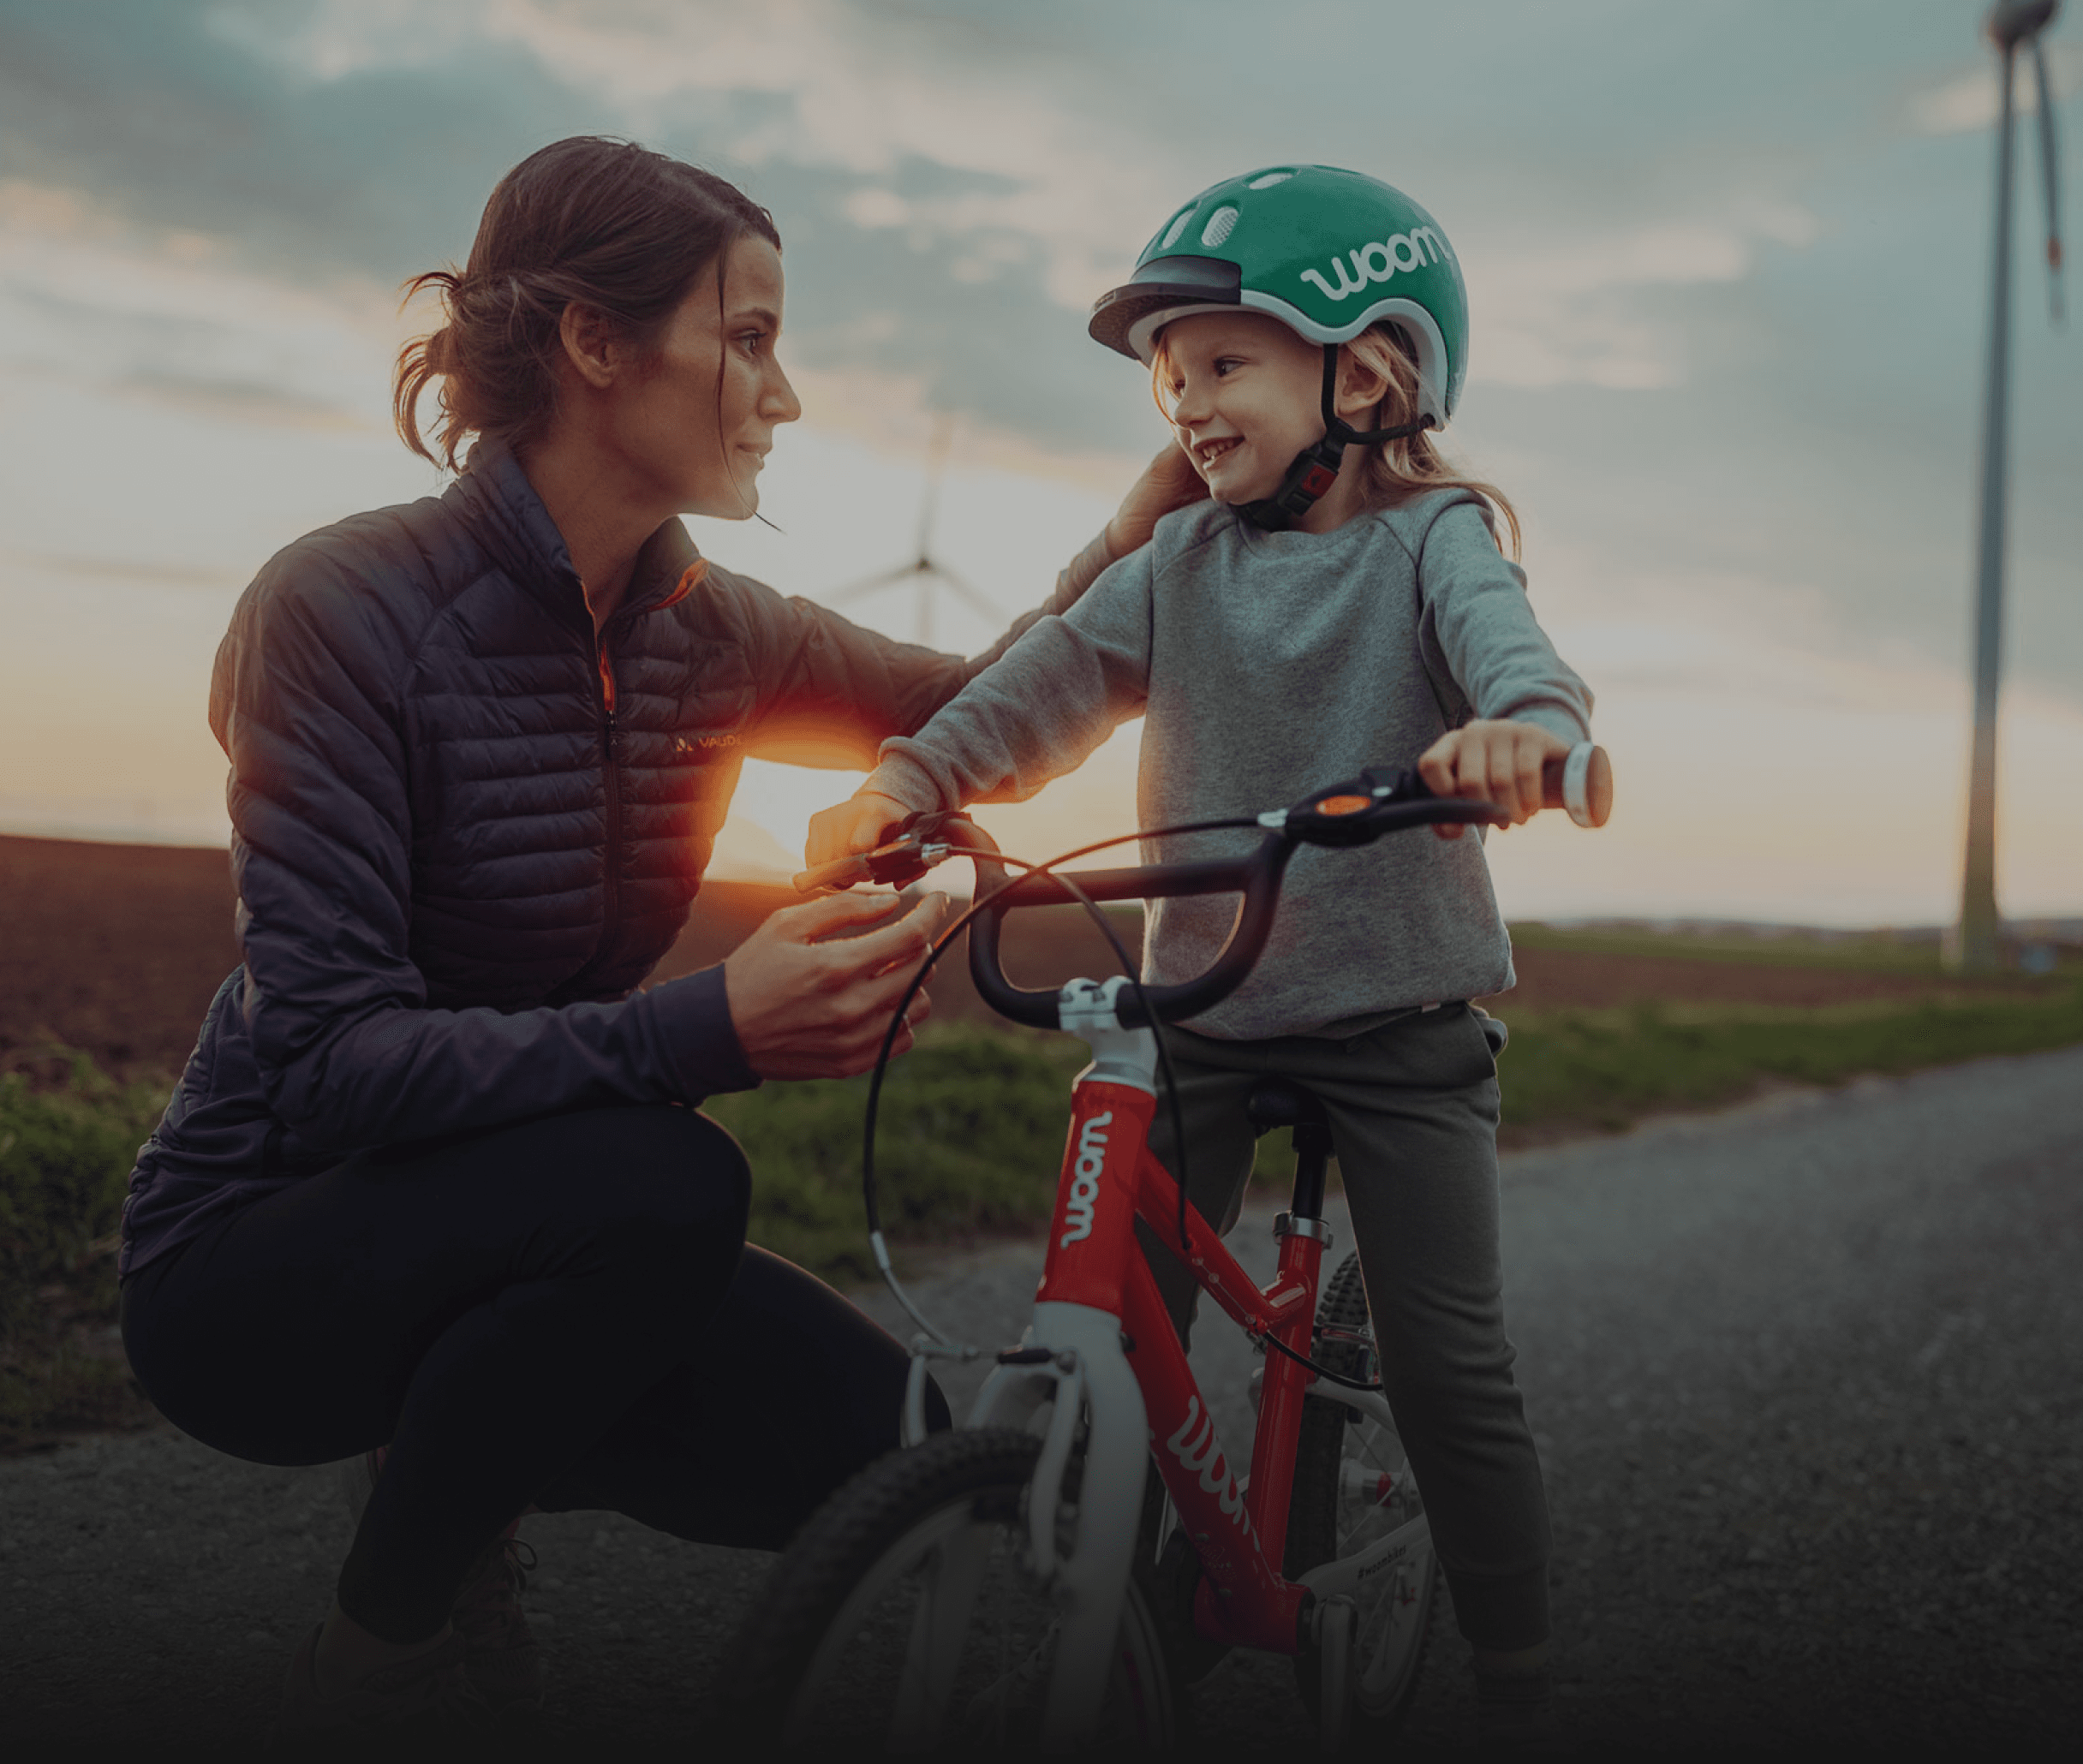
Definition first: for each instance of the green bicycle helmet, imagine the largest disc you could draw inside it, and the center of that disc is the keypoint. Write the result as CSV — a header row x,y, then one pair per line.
x,y
1311,246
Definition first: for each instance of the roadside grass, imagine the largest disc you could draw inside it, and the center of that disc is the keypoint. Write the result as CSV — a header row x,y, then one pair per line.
x,y
970,1134
1866,951
1578,1071
68,1137
970,1138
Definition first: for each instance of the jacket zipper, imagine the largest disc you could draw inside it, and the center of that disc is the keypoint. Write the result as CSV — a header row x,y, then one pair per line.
x,y
610,777
612,780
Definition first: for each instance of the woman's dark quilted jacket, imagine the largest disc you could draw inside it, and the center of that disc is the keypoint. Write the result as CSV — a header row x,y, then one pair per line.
x,y
463,833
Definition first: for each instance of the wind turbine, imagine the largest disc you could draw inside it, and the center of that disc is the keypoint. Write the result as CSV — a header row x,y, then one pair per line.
x,y
928,575
2012,25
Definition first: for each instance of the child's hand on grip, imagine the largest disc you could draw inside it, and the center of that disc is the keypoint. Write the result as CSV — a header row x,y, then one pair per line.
x,y
1496,761
860,823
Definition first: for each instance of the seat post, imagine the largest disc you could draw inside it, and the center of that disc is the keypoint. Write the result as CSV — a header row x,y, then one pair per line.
x,y
1312,1159
1280,1102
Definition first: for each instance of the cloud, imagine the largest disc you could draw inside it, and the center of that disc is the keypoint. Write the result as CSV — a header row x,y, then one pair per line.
x,y
236,401
148,573
863,92
168,317
1567,311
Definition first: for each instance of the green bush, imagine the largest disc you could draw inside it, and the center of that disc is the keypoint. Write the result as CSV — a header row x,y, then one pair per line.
x,y
66,1149
968,1142
67,1144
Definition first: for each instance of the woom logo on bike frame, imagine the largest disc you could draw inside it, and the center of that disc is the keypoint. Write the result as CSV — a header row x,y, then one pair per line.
x,y
1200,1454
1085,1188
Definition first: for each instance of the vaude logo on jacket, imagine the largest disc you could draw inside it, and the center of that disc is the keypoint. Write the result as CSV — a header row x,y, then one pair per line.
x,y
1085,1186
1379,259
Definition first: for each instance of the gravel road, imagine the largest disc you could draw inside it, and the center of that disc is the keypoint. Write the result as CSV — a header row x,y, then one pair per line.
x,y
1805,1378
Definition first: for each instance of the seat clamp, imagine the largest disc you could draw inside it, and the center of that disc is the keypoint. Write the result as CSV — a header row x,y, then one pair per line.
x,y
1285,1225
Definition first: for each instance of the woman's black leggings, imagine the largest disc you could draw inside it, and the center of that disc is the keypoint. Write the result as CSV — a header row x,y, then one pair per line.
x,y
562,1312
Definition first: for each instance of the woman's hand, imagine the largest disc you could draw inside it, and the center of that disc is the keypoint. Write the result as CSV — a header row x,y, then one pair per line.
x,y
1494,762
809,1002
860,823
1168,482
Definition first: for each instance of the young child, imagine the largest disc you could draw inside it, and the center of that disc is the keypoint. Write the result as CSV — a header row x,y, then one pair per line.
x,y
1340,601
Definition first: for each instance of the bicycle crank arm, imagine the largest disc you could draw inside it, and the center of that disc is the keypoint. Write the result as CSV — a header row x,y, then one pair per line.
x,y
1371,1403
1345,1576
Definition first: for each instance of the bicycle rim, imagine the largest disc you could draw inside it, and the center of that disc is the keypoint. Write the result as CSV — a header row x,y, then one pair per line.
x,y
929,1635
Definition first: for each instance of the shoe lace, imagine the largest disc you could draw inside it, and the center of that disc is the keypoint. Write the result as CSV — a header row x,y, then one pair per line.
x,y
491,1598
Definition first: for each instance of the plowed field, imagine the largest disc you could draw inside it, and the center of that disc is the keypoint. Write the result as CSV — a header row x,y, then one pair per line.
x,y
117,949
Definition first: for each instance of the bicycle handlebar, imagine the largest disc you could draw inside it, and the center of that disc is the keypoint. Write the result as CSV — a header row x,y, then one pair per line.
x,y
1351,813
1256,878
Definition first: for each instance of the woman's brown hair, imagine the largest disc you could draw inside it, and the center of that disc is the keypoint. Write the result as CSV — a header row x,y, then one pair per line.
x,y
1395,470
591,221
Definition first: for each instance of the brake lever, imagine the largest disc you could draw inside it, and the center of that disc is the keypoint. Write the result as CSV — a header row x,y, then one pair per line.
x,y
1360,810
897,863
1351,813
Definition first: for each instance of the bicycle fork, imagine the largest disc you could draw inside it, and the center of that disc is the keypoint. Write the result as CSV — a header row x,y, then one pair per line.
x,y
1072,1356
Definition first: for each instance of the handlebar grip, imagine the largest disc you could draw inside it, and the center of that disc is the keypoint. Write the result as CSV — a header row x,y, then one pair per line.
x,y
1580,781
841,873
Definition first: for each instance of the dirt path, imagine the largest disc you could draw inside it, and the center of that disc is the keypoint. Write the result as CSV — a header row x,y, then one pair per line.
x,y
1803,1376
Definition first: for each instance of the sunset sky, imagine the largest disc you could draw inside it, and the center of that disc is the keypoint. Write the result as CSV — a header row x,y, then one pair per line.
x,y
1728,274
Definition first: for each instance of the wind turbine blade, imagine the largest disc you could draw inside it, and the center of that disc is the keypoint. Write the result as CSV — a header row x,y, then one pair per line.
x,y
967,592
2050,163
868,584
936,470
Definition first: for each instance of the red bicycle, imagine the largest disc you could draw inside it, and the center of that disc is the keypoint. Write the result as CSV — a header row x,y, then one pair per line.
x,y
1024,1579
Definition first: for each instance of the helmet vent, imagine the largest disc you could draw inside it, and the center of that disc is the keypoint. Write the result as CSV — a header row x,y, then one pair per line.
x,y
1177,226
1220,224
1265,180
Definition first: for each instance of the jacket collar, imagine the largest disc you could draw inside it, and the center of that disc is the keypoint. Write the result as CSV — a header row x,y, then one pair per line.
x,y
494,500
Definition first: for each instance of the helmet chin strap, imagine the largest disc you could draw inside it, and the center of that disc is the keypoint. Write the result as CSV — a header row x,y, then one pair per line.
x,y
1315,468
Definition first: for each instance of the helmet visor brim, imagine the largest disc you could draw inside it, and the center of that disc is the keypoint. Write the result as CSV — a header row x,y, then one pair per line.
x,y
1162,283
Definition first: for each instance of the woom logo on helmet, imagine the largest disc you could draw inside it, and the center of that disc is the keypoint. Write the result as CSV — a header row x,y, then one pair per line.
x,y
1379,259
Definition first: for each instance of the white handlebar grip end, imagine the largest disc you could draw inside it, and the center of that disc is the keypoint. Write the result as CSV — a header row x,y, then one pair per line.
x,y
1576,784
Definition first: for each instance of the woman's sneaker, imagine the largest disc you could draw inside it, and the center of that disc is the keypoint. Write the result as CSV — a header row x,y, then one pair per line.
x,y
504,1659
429,1697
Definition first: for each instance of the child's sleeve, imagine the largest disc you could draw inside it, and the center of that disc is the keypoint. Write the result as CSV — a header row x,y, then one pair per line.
x,y
1038,710
1486,655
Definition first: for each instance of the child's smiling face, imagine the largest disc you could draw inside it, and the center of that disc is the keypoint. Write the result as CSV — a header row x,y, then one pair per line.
x,y
1246,394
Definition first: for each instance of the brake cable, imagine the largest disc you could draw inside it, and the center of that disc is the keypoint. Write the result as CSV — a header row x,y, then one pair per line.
x,y
1028,873
876,1241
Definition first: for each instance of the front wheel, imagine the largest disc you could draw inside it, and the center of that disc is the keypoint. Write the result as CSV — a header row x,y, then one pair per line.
x,y
1352,1488
903,1618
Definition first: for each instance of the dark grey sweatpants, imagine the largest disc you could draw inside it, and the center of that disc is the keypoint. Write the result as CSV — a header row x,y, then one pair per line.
x,y
1413,1112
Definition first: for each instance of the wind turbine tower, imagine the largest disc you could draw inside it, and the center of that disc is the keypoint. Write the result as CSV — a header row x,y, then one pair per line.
x,y
930,575
2012,25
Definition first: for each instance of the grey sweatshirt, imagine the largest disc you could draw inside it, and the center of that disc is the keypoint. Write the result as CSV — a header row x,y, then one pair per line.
x,y
1264,665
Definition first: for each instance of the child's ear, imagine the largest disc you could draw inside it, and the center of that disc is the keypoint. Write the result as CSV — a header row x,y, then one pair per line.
x,y
1361,386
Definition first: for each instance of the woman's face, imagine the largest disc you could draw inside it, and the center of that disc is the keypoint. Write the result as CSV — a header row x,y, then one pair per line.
x,y
700,446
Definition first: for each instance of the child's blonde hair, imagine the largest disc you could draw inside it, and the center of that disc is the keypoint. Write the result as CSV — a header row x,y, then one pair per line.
x,y
1394,470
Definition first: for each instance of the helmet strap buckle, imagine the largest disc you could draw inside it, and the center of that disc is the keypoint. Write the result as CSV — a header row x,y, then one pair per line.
x,y
1315,468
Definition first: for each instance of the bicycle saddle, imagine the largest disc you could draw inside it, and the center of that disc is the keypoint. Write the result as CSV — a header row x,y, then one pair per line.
x,y
1279,1102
